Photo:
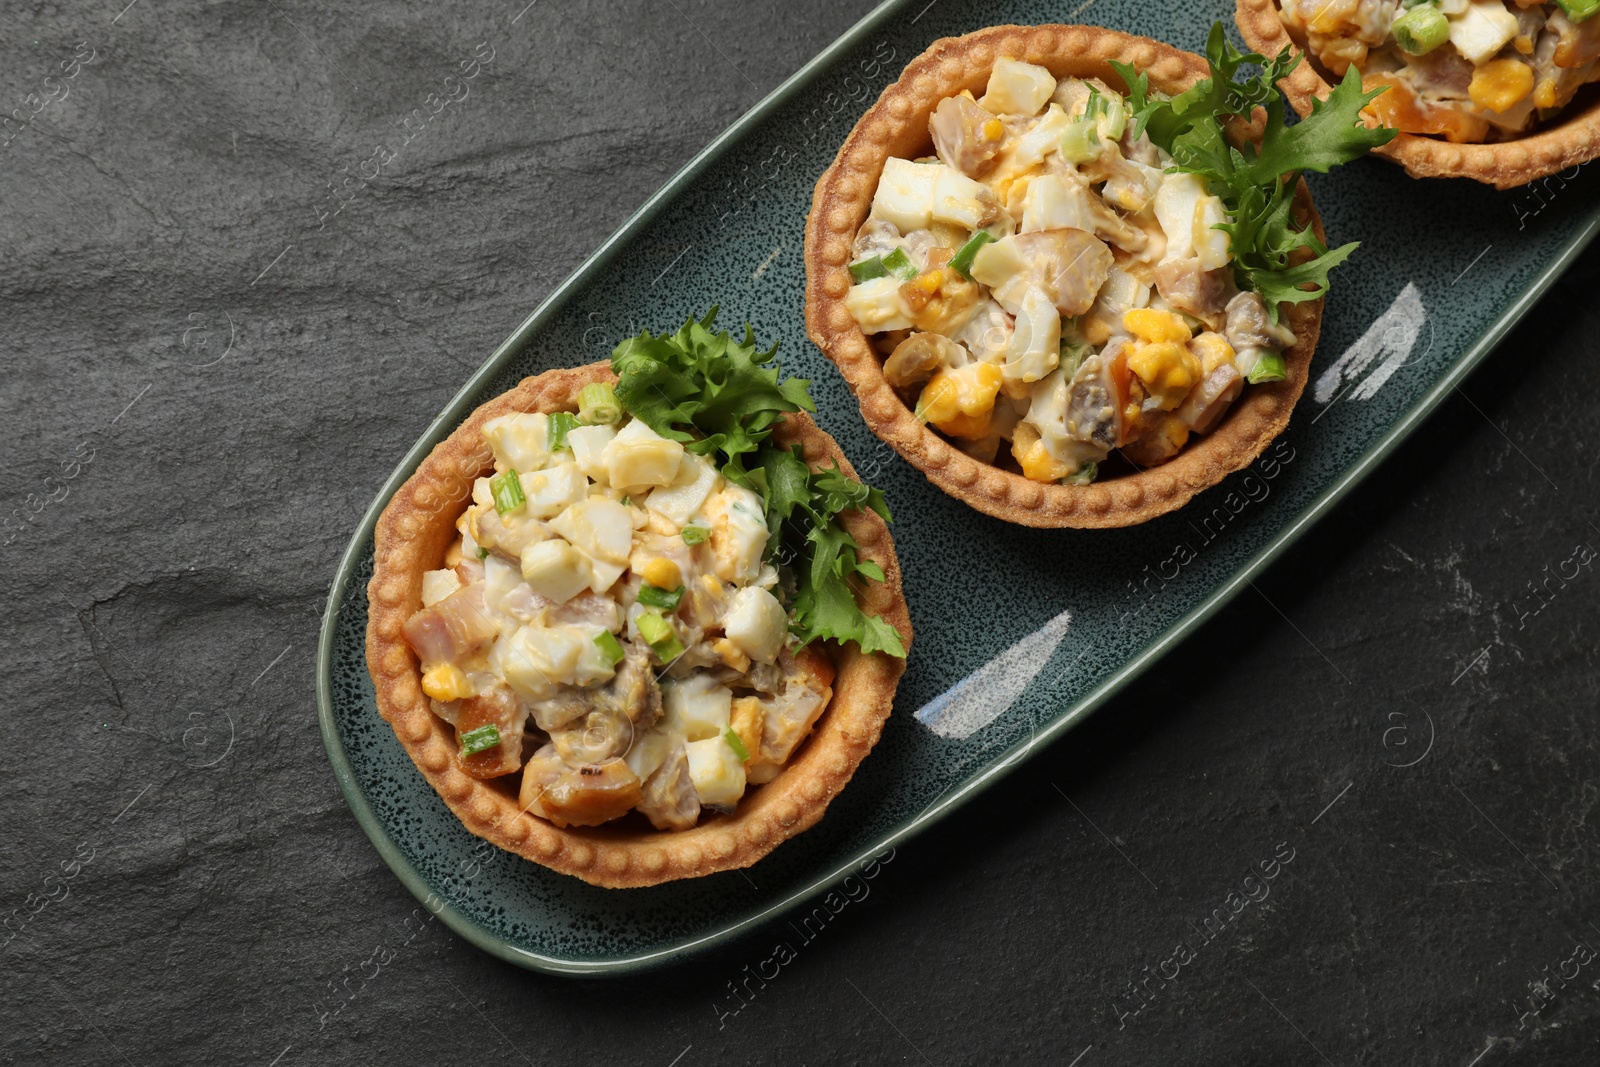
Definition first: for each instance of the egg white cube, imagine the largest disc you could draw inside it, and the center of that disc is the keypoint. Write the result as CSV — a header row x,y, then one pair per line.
x,y
1054,202
520,440
593,666
536,660
756,623
1017,88
959,200
556,570
1176,206
603,574
638,456
1482,29
599,527
436,585
697,707
716,771
877,305
588,450
687,493
1035,346
906,192
552,490
1212,246
738,534
648,752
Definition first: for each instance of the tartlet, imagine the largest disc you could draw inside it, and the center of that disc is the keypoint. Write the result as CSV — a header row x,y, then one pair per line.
x,y
1571,139
412,537
897,126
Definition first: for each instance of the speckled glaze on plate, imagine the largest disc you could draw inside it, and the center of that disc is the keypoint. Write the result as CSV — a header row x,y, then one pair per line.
x,y
1070,615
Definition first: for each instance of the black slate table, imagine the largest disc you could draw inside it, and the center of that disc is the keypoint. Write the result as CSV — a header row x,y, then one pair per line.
x,y
209,372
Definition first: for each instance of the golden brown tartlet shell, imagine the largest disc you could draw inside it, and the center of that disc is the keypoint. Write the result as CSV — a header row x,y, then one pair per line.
x,y
411,537
1573,140
897,125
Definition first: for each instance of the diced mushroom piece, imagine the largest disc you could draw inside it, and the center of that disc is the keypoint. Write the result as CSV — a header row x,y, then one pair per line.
x,y
1093,411
668,798
589,795
1198,292
568,703
877,237
498,707
919,356
1208,401
1249,326
965,136
1576,43
634,691
1069,265
452,629
599,735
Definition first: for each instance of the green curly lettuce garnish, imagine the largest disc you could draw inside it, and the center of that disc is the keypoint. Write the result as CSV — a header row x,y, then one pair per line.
x,y
1257,183
723,398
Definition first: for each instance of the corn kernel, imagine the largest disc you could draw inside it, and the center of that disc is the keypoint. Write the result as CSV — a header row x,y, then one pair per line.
x,y
731,654
1151,324
993,130
662,573
1501,84
446,682
1544,97
930,281
1213,350
747,720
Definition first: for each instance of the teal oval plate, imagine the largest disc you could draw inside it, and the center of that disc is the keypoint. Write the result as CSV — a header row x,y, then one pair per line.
x,y
1020,633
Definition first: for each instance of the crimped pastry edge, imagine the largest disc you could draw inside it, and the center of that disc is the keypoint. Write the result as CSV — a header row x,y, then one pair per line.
x,y
896,125
1573,140
411,536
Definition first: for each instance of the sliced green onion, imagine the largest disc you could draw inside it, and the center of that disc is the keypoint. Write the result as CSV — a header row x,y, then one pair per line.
x,y
1422,29
656,597
899,264
1072,356
507,489
1578,10
1083,475
737,745
1269,368
660,636
561,423
868,269
962,260
598,405
1116,117
610,647
480,740
695,535
1081,142
483,553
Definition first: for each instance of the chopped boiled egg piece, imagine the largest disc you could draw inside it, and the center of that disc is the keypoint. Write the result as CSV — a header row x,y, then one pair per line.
x,y
1017,88
551,491
556,570
638,456
1035,345
588,445
1501,84
696,707
960,400
688,491
1211,245
716,771
537,659
594,665
878,306
756,623
602,528
912,196
519,440
738,533
1177,203
649,752
436,585
1054,201
1482,29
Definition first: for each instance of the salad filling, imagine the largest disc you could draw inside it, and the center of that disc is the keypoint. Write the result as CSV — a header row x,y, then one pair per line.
x,y
1464,70
615,621
1076,272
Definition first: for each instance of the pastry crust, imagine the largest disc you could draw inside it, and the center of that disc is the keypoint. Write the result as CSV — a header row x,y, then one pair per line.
x,y
1573,140
897,125
412,535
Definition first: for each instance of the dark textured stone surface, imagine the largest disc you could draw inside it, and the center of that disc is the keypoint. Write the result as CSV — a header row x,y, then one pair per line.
x,y
163,608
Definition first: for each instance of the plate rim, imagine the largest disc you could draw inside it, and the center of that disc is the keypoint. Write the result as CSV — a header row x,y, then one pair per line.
x,y
1004,763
